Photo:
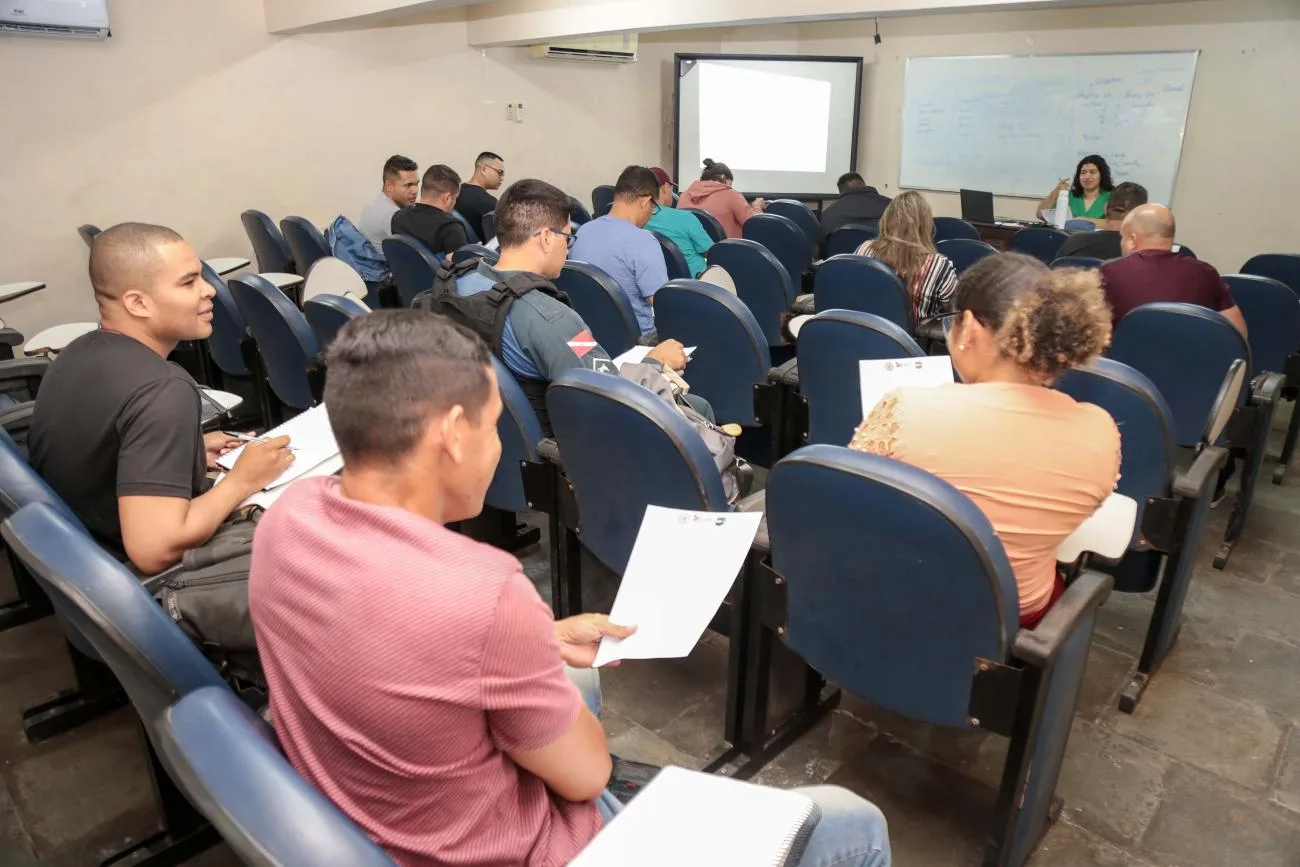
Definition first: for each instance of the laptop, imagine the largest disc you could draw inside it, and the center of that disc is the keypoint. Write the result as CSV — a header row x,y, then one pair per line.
x,y
977,206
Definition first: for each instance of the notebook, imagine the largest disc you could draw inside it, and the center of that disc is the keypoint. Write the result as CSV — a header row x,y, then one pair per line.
x,y
689,817
311,439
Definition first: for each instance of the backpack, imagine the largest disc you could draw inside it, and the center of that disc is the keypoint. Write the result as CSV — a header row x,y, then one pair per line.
x,y
484,313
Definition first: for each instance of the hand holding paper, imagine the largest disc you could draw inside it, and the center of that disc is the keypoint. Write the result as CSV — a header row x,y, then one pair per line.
x,y
579,637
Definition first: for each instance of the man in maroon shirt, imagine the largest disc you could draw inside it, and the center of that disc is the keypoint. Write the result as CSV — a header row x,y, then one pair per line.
x,y
1151,271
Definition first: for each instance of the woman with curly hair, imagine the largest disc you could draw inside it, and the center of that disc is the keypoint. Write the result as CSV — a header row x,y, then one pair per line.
x,y
1035,461
1089,190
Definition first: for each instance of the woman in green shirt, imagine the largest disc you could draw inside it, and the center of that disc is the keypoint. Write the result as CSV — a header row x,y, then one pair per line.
x,y
1089,192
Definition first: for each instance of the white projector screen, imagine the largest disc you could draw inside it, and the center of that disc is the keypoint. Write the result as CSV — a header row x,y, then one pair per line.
x,y
785,125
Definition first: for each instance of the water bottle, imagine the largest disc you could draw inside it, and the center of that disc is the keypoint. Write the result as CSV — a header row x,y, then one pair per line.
x,y
1062,209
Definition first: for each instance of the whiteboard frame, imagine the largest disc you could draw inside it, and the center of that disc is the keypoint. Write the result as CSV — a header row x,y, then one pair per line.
x,y
1182,130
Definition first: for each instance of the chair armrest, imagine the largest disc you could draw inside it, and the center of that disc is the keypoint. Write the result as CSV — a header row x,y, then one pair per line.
x,y
549,450
1040,645
1201,474
1267,388
17,418
11,337
23,368
756,502
786,374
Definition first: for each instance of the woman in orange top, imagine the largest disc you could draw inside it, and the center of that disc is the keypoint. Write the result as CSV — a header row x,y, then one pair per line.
x,y
1035,461
713,193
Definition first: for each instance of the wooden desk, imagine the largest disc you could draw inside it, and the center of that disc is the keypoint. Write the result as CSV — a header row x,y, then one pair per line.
x,y
998,237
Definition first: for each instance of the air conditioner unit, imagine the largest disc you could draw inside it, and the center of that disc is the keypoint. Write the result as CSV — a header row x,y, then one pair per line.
x,y
603,49
86,19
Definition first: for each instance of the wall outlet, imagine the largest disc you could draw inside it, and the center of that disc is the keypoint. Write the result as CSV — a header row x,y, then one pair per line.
x,y
519,113
510,112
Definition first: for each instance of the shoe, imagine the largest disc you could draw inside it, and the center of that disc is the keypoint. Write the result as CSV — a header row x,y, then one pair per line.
x,y
1218,497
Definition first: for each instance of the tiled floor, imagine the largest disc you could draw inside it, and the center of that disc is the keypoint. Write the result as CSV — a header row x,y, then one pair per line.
x,y
1207,772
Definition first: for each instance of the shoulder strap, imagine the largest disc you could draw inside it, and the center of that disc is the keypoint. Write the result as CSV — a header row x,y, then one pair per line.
x,y
503,295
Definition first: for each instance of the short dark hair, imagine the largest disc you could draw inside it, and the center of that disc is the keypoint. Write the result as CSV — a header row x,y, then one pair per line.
x,y
390,371
1124,198
124,252
527,207
849,181
396,164
716,171
486,156
439,179
635,182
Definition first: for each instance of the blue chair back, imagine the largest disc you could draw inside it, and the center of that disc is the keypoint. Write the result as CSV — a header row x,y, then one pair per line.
x,y
414,267
602,211
1080,226
475,251
624,448
602,198
269,246
602,305
859,589
227,762
801,215
674,260
326,314
1041,242
470,234
830,346
153,659
1283,267
733,356
847,239
305,241
866,284
228,327
1272,314
786,240
21,486
954,228
284,339
520,431
578,212
964,252
712,227
1185,351
1077,262
762,282
489,226
88,231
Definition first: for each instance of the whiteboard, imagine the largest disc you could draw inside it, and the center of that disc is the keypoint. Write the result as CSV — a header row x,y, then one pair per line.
x,y
1017,125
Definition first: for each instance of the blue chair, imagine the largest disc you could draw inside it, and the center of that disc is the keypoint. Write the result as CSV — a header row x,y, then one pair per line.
x,y
730,368
1283,267
88,231
762,282
475,251
602,211
866,284
964,252
801,215
1272,314
414,267
1077,262
489,226
269,245
305,241
602,198
1041,242
847,239
1185,350
785,239
151,657
228,763
1080,226
470,235
712,227
520,430
602,305
674,260
229,331
1172,504
915,611
578,213
326,314
285,343
954,228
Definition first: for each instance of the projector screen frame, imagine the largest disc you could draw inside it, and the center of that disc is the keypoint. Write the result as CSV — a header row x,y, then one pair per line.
x,y
801,58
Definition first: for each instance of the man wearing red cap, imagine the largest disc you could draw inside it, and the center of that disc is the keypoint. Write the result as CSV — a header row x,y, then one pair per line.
x,y
680,227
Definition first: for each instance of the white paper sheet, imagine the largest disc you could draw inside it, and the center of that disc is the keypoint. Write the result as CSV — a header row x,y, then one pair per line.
x,y
682,565
311,439
637,354
329,467
878,378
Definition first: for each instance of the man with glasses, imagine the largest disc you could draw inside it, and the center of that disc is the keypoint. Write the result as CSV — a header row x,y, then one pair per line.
x,y
619,245
474,200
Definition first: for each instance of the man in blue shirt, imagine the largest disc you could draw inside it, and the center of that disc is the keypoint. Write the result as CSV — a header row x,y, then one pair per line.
x,y
619,245
681,227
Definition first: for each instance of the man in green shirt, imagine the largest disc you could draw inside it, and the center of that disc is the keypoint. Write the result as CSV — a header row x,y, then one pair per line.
x,y
680,227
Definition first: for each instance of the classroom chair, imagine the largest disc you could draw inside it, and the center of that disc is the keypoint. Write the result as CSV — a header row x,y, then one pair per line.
x,y
1185,350
801,215
20,485
1041,242
148,653
231,349
964,252
1283,267
20,381
1080,226
331,276
915,611
602,305
326,314
470,234
602,211
712,227
785,239
1172,503
674,260
761,281
847,239
578,213
414,267
602,197
285,344
489,226
1077,262
270,247
954,228
866,284
1184,250
1272,314
475,251
306,243
228,763
88,231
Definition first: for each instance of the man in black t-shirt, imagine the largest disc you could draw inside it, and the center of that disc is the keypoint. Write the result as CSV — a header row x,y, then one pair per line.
x,y
1104,243
429,220
116,430
475,200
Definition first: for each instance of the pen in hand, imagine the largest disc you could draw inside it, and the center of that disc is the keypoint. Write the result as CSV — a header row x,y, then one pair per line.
x,y
248,438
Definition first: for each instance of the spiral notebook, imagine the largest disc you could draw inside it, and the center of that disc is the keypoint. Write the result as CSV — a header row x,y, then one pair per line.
x,y
709,820
310,437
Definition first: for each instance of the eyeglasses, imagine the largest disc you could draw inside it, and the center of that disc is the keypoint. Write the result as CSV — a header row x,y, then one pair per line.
x,y
945,322
501,173
568,236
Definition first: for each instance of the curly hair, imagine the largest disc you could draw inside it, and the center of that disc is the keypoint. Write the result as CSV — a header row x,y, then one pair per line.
x,y
1107,184
1045,320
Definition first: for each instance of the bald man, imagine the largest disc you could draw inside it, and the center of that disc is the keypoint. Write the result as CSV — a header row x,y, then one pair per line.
x,y
116,426
1151,271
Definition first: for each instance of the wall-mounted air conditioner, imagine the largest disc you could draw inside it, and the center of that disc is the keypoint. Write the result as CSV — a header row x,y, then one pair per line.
x,y
600,49
85,19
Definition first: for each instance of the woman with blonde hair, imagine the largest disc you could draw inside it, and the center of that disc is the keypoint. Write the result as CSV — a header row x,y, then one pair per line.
x,y
1035,461
906,244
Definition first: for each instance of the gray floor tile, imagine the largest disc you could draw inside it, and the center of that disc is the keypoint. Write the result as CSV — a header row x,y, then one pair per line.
x,y
1068,845
1202,648
627,740
15,846
817,755
1112,786
1253,559
1287,576
1287,791
1107,672
1267,610
654,692
1264,671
